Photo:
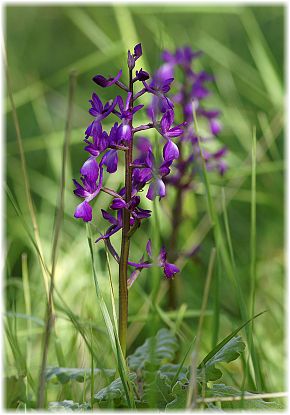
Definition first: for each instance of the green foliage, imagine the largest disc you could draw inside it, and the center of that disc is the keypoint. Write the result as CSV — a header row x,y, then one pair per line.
x,y
229,352
155,351
68,406
166,386
179,392
114,394
65,374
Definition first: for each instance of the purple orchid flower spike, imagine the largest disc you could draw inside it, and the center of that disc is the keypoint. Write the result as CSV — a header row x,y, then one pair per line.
x,y
182,157
108,149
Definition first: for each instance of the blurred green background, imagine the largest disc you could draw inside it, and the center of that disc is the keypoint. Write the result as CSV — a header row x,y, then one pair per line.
x,y
244,49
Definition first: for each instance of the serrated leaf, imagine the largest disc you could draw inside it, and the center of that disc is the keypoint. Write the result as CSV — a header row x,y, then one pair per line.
x,y
170,371
179,392
114,393
226,340
229,352
65,374
157,393
155,351
223,390
67,406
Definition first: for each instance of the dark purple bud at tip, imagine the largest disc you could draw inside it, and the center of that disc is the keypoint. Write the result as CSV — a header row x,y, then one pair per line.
x,y
100,80
142,75
137,51
104,82
130,61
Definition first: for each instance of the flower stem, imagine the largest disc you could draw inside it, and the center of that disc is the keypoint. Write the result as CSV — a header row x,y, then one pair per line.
x,y
125,244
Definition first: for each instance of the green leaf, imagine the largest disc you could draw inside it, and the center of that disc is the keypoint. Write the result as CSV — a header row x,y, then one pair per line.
x,y
65,374
155,351
157,393
222,390
170,370
229,352
179,392
114,393
158,385
226,340
67,406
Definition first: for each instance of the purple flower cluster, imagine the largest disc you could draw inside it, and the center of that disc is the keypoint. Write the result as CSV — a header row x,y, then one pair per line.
x,y
190,95
145,170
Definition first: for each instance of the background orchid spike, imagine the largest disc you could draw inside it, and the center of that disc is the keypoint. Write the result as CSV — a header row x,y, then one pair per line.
x,y
105,148
188,96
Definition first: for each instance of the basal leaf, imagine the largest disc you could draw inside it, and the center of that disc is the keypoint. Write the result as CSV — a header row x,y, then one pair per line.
x,y
114,394
68,406
155,351
65,374
170,370
179,392
229,352
157,393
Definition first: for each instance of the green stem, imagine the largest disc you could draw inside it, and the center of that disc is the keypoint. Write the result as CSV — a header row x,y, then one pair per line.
x,y
125,244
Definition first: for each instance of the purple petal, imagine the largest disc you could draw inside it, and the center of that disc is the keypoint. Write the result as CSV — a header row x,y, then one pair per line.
x,y
96,103
167,121
110,159
220,153
149,248
79,190
140,213
156,188
162,256
137,108
222,167
138,51
84,212
111,231
118,203
215,126
175,131
90,169
170,270
130,61
125,132
107,216
164,169
134,275
166,71
170,151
